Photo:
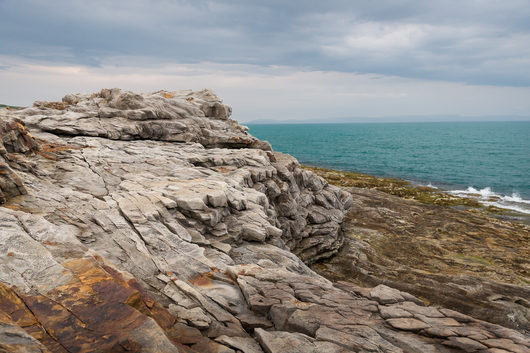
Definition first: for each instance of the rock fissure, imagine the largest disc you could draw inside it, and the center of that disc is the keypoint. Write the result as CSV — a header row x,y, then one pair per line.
x,y
129,222
97,173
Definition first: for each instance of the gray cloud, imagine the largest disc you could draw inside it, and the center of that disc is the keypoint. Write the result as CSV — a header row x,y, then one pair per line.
x,y
478,42
283,92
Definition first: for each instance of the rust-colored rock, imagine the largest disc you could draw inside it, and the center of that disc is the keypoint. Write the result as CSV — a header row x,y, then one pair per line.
x,y
98,311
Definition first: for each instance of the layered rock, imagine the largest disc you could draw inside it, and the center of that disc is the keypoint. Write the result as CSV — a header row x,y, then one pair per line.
x,y
462,260
154,223
183,116
14,140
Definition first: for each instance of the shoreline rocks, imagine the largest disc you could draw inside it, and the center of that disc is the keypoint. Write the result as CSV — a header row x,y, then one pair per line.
x,y
154,223
458,259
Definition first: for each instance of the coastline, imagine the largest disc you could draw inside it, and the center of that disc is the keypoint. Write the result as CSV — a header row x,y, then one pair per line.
x,y
173,237
480,161
447,250
409,190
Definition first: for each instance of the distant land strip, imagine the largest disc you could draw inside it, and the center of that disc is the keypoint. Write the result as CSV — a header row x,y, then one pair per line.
x,y
9,106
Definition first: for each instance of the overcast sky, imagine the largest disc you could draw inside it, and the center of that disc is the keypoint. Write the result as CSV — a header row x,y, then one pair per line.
x,y
272,59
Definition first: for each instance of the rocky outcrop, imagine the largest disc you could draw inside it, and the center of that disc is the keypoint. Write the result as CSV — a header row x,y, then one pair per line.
x,y
154,223
14,140
459,259
183,116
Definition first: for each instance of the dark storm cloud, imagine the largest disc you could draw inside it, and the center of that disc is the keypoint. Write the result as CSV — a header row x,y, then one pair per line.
x,y
479,42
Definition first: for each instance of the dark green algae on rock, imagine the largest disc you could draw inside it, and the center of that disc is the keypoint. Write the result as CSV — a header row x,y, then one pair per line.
x,y
423,194
445,249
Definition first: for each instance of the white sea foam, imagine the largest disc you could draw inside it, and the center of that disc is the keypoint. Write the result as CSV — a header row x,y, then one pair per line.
x,y
489,198
515,198
429,184
483,193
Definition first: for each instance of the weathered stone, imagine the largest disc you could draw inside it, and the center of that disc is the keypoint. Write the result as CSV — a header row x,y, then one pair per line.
x,y
14,138
426,311
14,339
185,334
195,316
460,260
386,295
439,331
208,346
513,335
347,340
455,315
495,350
221,246
409,342
253,233
435,321
244,344
285,342
472,331
154,223
506,344
464,343
251,321
407,324
304,321
393,312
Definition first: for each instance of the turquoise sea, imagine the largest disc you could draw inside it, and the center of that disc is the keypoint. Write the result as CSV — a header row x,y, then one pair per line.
x,y
486,160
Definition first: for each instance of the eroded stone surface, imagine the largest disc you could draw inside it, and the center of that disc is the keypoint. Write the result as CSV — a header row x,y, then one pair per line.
x,y
14,140
457,259
154,223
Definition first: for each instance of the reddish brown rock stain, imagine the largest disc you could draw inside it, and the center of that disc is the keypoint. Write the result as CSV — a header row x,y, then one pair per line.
x,y
202,280
49,150
98,309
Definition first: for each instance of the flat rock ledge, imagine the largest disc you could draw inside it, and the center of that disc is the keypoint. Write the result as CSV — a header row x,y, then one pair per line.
x,y
154,223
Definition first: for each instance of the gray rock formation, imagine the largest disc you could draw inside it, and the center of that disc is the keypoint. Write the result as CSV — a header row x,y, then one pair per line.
x,y
154,223
14,140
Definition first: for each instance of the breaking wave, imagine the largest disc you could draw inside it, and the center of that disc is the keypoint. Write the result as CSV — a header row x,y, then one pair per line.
x,y
489,198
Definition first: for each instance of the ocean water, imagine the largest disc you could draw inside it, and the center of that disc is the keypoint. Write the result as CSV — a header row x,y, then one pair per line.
x,y
486,160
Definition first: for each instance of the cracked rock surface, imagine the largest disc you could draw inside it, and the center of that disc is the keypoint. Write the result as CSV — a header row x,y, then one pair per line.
x,y
154,223
458,259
